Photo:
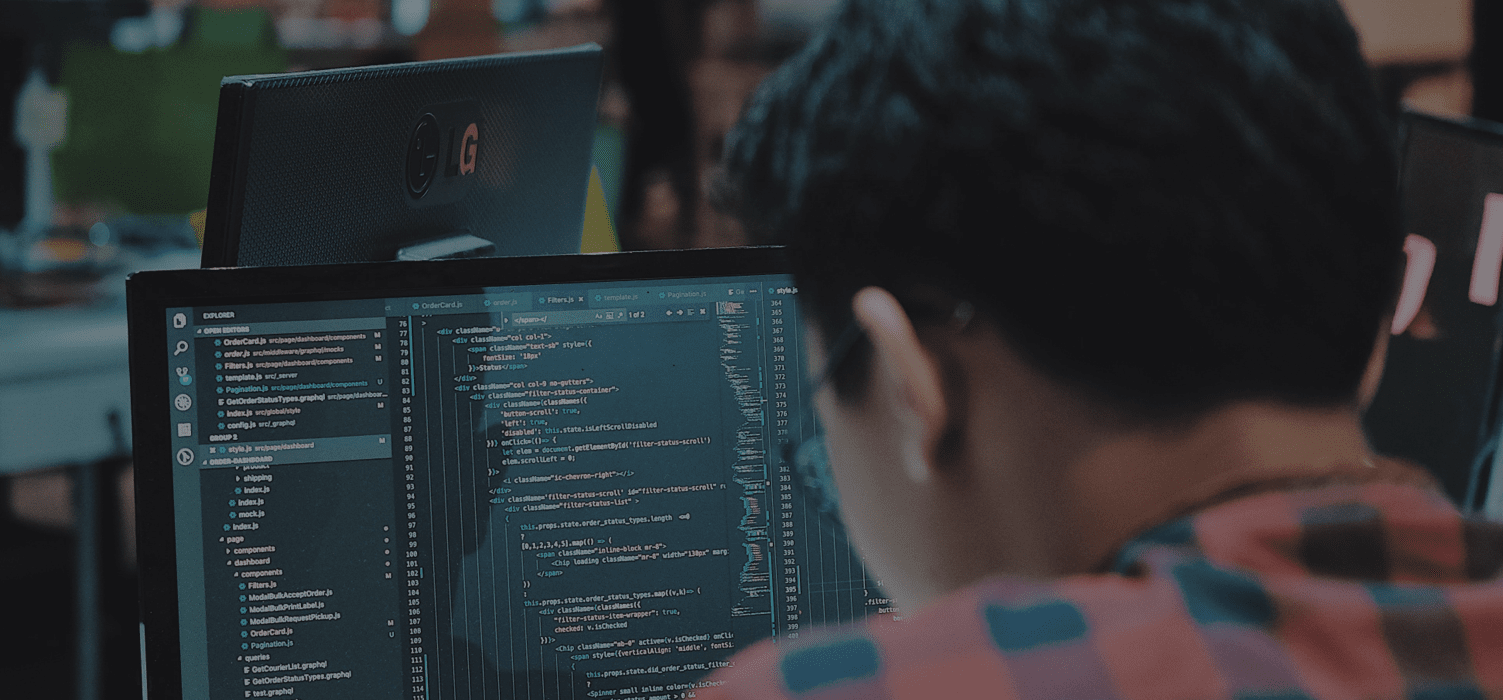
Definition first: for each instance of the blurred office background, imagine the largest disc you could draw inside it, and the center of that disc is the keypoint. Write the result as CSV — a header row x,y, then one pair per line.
x,y
107,111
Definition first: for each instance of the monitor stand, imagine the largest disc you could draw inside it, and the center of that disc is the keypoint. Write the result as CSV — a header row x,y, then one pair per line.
x,y
458,246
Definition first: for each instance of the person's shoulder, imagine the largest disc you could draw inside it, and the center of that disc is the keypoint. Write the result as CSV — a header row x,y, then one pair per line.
x,y
949,649
1003,638
751,673
1252,596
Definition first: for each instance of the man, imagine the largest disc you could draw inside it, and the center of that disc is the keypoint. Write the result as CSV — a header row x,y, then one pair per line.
x,y
1100,289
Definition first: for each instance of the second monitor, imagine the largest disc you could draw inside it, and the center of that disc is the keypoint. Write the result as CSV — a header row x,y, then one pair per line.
x,y
454,158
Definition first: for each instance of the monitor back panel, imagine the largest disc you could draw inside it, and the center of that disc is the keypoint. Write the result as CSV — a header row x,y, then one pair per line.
x,y
501,478
313,168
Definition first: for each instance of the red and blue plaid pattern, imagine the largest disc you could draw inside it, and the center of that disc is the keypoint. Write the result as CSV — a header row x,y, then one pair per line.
x,y
1344,591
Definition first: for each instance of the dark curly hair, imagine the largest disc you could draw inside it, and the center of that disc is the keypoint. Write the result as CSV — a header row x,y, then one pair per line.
x,y
1167,204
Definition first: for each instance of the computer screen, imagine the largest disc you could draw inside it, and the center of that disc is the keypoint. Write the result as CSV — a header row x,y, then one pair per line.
x,y
546,490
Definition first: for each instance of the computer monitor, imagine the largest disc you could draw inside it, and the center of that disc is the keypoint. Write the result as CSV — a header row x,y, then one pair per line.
x,y
1438,399
549,477
460,157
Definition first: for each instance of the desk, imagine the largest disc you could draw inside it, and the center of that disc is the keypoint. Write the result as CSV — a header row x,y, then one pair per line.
x,y
62,372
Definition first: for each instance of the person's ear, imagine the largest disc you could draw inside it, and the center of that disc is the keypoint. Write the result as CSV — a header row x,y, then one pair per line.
x,y
905,375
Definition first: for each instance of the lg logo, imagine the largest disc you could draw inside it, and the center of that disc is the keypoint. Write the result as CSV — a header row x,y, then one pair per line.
x,y
443,153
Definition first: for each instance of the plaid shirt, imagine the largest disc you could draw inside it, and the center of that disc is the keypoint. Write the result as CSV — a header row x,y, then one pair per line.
x,y
1335,591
